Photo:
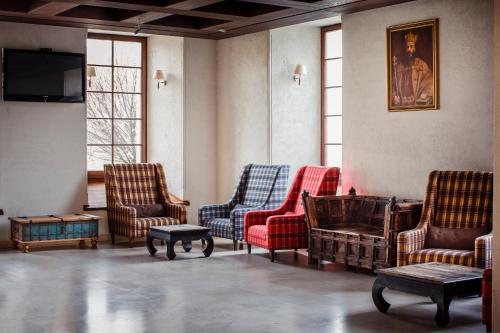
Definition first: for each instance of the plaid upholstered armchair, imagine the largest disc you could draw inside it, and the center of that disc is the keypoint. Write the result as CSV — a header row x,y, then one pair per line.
x,y
137,198
259,187
285,227
456,222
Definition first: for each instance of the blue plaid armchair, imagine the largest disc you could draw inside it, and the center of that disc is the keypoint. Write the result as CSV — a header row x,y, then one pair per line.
x,y
261,187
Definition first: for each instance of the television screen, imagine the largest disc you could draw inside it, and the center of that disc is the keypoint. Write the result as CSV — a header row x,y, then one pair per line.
x,y
43,76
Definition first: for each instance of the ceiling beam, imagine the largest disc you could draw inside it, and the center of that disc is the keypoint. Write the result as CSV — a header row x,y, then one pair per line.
x,y
185,5
49,7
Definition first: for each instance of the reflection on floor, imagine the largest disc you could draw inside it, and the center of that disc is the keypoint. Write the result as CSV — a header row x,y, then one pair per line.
x,y
117,289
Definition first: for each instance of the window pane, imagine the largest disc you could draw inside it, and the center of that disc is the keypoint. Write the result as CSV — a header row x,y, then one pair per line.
x,y
97,156
127,54
98,131
98,52
334,101
333,44
334,156
98,105
127,80
127,154
102,80
334,129
127,131
334,72
127,106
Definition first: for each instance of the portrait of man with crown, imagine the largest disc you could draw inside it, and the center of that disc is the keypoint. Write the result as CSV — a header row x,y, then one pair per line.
x,y
412,66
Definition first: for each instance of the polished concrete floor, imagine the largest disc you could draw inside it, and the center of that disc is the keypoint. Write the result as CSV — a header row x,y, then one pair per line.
x,y
117,289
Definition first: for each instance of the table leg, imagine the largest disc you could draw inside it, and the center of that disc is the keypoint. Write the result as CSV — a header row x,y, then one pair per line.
x,y
377,289
93,244
170,250
207,250
442,317
149,244
187,246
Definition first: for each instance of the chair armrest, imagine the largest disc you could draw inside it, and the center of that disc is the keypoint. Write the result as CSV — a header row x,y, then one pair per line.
x,y
409,241
482,251
275,224
176,211
208,212
259,217
178,201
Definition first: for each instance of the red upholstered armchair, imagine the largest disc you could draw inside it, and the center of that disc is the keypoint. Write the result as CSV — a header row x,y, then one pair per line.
x,y
285,228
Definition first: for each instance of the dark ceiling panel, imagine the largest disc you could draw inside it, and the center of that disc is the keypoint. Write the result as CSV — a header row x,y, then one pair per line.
x,y
240,8
212,19
189,22
100,13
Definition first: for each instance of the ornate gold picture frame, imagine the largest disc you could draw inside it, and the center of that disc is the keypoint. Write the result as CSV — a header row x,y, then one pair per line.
x,y
413,66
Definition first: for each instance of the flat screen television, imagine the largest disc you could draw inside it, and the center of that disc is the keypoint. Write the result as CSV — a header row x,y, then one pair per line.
x,y
43,76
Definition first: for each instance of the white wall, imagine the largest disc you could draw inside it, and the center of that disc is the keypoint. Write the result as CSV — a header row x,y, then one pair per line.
x,y
166,109
42,146
392,153
242,107
295,110
496,189
200,114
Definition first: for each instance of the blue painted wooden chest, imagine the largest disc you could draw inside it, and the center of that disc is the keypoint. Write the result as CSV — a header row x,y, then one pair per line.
x,y
26,230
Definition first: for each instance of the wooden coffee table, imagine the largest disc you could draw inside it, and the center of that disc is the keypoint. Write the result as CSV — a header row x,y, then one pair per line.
x,y
440,282
182,232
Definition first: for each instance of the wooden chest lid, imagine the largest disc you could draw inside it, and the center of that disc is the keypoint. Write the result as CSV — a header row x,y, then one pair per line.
x,y
35,219
77,217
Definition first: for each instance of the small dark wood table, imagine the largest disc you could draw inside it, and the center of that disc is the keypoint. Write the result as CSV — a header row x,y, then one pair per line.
x,y
182,232
440,282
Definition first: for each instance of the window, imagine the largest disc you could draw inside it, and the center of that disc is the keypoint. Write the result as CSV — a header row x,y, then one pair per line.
x,y
331,96
116,104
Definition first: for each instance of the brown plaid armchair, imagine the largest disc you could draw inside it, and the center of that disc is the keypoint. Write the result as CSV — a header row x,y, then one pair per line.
x,y
129,186
456,202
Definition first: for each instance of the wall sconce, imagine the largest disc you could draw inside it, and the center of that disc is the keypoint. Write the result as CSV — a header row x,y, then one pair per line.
x,y
91,73
299,72
160,77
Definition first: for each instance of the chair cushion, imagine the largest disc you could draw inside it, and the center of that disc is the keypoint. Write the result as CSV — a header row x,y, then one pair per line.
x,y
446,256
154,210
220,227
260,182
142,224
452,238
257,235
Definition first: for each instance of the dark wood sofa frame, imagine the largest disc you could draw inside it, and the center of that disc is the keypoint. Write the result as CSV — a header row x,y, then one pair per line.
x,y
357,230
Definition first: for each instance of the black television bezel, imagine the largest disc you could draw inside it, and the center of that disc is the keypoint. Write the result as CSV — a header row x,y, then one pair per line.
x,y
6,53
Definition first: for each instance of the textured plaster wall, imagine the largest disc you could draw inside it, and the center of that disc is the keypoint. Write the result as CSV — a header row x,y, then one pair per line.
x,y
295,110
392,153
242,107
42,145
166,109
496,189
200,92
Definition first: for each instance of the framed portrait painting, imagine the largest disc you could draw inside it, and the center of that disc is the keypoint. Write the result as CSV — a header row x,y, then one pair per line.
x,y
413,66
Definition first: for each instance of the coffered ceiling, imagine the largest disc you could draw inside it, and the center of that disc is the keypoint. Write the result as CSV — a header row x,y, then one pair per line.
x,y
211,19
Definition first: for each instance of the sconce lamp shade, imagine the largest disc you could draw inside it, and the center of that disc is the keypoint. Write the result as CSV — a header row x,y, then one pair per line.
x,y
91,71
159,75
300,70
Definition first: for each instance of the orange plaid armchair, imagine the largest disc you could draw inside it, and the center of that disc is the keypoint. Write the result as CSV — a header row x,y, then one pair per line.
x,y
457,203
130,187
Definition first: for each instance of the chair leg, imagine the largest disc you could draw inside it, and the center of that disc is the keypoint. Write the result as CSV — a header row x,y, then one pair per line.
x,y
249,248
131,242
272,255
241,246
112,238
235,245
